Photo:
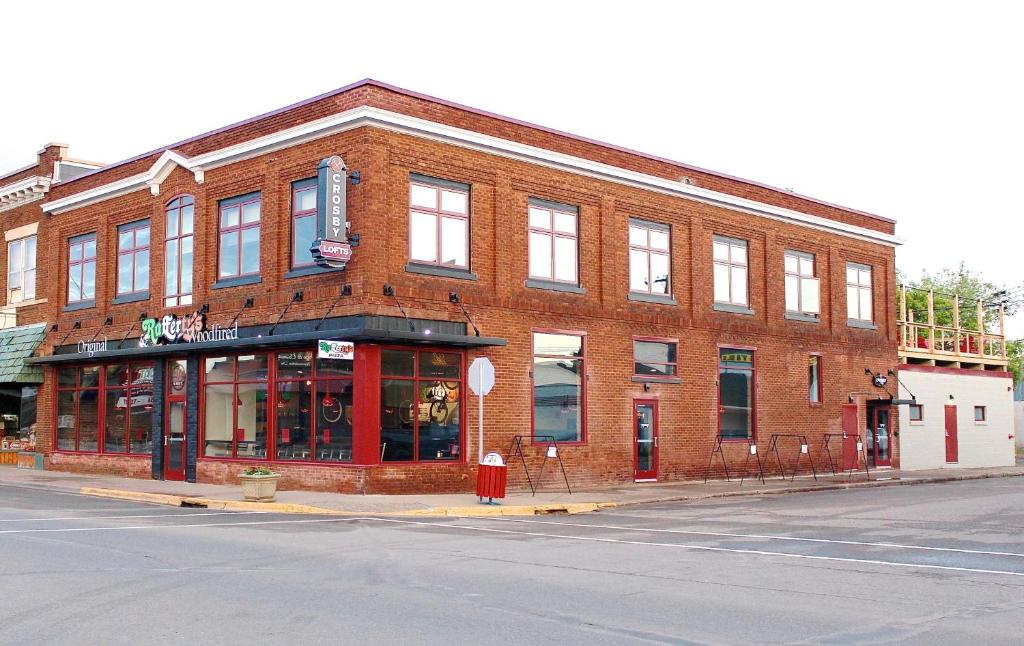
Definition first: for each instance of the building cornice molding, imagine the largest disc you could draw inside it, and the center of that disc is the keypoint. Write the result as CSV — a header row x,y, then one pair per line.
x,y
23,191
376,117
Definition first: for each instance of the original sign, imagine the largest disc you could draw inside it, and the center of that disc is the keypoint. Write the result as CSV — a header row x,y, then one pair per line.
x,y
336,350
92,347
331,248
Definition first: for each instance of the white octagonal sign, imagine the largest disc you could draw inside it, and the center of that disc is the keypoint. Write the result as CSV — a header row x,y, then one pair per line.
x,y
481,376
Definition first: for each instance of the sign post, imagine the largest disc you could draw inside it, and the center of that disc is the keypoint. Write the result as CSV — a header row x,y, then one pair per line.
x,y
481,380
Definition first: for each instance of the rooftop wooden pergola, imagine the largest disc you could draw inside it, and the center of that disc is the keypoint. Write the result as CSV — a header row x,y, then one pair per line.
x,y
958,345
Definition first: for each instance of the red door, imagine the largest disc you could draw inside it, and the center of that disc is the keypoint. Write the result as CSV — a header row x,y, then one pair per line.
x,y
174,440
645,435
952,445
851,438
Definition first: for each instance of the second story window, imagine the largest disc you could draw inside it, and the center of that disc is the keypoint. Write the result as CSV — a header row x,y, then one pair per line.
x,y
438,222
303,222
649,257
239,236
802,293
82,269
859,300
554,241
730,271
133,258
178,251
21,270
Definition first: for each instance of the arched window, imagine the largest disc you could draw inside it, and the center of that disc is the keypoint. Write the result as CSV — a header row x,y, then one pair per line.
x,y
178,251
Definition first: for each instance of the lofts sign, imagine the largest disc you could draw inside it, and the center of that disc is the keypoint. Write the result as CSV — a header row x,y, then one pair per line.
x,y
331,247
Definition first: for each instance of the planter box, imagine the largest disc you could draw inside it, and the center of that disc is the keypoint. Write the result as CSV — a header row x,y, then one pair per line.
x,y
259,488
30,460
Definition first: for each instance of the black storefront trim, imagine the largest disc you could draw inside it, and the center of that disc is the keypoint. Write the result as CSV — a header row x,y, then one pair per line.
x,y
349,328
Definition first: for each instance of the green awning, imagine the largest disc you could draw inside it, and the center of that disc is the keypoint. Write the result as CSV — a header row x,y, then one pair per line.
x,y
16,345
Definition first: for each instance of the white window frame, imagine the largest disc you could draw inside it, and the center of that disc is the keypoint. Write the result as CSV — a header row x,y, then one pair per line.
x,y
553,233
856,287
731,264
649,250
24,294
801,283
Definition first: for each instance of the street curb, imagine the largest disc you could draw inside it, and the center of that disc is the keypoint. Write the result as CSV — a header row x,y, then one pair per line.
x,y
289,508
828,487
486,511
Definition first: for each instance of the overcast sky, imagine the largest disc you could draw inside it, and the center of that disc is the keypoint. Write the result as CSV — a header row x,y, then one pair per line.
x,y
913,111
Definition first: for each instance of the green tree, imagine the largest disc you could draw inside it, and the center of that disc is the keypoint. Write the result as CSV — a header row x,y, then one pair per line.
x,y
1015,352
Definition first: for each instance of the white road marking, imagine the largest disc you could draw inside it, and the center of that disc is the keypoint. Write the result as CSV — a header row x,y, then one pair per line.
x,y
195,513
902,546
510,532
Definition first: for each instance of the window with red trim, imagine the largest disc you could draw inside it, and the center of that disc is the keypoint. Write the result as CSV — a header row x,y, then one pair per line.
x,y
78,409
178,246
313,408
655,358
82,268
814,387
559,387
133,258
438,222
128,408
420,405
236,404
240,236
303,222
736,414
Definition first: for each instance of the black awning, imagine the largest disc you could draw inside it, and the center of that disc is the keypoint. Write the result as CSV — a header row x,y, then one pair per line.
x,y
349,328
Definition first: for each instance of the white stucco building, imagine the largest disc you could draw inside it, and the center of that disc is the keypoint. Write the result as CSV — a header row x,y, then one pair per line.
x,y
961,410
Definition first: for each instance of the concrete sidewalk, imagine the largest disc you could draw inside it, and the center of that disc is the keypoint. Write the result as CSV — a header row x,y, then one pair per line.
x,y
517,503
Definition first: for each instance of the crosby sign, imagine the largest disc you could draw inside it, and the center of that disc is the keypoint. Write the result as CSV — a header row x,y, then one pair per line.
x,y
332,247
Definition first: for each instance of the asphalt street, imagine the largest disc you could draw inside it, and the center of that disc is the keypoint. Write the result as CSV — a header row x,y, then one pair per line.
x,y
927,564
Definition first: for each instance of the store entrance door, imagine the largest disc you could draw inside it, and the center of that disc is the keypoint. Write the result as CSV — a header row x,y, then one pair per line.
x,y
174,441
879,447
952,443
174,421
645,415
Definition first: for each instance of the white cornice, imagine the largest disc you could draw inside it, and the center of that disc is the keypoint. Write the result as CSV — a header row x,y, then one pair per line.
x,y
22,191
370,116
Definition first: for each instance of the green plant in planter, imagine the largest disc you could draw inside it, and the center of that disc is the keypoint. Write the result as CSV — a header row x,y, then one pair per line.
x,y
258,471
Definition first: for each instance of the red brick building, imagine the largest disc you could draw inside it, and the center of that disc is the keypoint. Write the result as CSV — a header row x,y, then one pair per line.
x,y
635,309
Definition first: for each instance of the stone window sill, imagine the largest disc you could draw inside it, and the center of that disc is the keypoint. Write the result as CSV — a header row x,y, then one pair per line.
x,y
732,309
237,281
660,299
439,271
806,318
555,286
81,305
131,298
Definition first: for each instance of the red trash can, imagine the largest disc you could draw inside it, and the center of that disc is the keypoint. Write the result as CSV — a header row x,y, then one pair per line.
x,y
491,477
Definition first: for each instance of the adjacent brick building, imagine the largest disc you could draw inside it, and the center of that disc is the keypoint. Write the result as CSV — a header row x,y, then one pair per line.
x,y
635,309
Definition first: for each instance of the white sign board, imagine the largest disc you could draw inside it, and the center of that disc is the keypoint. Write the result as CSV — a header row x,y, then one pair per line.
x,y
481,376
335,350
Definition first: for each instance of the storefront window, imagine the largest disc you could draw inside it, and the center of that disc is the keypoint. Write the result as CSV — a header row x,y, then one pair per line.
x,y
736,394
119,395
558,387
309,405
317,429
78,409
128,416
236,405
421,395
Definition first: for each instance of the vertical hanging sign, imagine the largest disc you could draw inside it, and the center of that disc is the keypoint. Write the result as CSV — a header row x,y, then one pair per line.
x,y
331,248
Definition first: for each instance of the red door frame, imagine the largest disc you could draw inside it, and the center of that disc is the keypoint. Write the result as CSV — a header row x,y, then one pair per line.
x,y
872,414
952,440
172,474
652,474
